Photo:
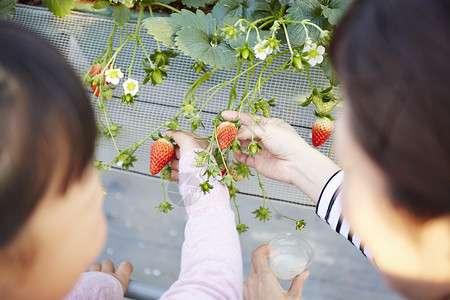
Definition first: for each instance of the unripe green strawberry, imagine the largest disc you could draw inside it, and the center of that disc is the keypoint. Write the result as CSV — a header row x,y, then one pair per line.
x,y
226,132
297,62
200,159
321,131
161,153
157,76
326,108
245,53
198,68
235,175
266,111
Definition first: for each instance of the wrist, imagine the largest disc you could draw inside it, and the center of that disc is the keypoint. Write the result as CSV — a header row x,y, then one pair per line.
x,y
311,172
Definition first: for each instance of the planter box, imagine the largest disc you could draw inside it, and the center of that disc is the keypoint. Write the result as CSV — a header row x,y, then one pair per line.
x,y
82,37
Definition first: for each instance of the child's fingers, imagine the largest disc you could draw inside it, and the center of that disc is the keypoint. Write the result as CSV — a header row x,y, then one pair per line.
x,y
177,153
175,176
95,267
107,266
124,270
175,164
123,274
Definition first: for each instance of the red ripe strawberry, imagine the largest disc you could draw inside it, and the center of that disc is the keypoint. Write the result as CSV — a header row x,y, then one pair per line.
x,y
224,170
161,154
226,132
95,70
321,131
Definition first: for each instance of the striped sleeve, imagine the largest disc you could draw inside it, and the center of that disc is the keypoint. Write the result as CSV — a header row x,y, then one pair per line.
x,y
329,208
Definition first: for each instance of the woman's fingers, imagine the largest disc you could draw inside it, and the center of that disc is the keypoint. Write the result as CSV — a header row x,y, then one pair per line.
x,y
259,258
245,159
244,119
296,289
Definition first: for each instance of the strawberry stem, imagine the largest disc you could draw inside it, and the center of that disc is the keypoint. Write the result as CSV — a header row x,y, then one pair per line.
x,y
164,190
309,77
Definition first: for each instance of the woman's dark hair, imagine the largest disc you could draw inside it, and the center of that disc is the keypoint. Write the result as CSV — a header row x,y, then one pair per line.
x,y
47,126
393,57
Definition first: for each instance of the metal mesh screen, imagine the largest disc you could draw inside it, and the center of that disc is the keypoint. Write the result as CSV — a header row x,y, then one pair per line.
x,y
82,37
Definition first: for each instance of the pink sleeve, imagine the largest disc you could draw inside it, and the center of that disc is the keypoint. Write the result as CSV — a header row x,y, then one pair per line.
x,y
96,286
211,259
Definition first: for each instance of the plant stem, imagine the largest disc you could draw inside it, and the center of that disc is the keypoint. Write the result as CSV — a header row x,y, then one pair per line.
x,y
136,35
279,212
263,19
237,210
135,146
262,189
166,6
164,190
231,103
151,15
287,38
309,77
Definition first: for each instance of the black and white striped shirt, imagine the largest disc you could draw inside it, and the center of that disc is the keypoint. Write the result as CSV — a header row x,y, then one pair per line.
x,y
329,208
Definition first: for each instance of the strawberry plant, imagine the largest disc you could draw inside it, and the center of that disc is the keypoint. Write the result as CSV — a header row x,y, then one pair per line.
x,y
240,35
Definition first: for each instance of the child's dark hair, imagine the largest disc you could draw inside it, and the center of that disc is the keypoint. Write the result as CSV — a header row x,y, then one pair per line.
x,y
393,57
47,126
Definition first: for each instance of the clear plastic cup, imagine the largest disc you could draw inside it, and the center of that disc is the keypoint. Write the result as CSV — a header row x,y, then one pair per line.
x,y
290,256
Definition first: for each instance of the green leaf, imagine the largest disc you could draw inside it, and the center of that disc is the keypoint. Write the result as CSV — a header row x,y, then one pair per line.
x,y
121,14
59,8
335,9
197,44
197,3
250,10
186,18
327,68
164,29
7,9
101,4
305,9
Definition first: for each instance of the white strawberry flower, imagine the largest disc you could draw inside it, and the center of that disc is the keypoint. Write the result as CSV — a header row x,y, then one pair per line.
x,y
120,163
315,55
262,49
113,76
131,86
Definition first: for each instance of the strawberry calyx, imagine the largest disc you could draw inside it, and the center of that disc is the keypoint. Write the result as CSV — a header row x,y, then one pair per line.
x,y
160,136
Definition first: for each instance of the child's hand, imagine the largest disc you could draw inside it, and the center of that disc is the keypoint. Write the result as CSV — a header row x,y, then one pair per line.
x,y
122,273
185,142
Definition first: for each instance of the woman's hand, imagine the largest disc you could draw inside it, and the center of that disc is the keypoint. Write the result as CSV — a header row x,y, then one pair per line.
x,y
286,156
282,146
122,273
262,284
185,143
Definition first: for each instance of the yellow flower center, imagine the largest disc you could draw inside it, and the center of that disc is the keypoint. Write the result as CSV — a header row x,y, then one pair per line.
x,y
131,86
114,74
313,53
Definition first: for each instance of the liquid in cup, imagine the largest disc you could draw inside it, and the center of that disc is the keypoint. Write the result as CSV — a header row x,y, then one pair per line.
x,y
290,256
